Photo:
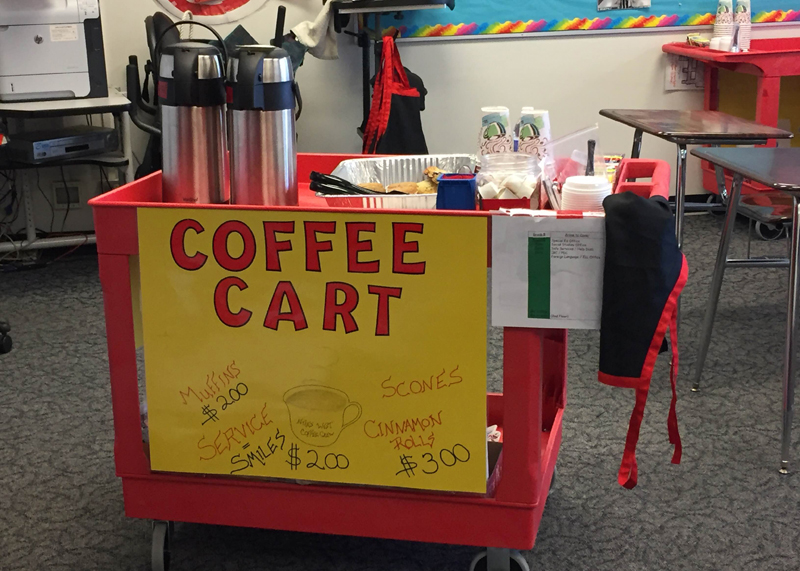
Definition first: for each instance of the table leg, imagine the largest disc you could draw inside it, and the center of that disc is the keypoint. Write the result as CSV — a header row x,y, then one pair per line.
x,y
723,192
680,193
791,330
637,144
123,122
711,98
719,273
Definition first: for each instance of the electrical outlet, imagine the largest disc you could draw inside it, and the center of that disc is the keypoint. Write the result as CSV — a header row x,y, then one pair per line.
x,y
69,197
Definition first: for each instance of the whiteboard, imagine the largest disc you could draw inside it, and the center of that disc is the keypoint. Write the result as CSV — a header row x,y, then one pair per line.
x,y
497,17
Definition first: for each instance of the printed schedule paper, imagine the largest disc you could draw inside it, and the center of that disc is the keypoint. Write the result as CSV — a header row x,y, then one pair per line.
x,y
547,272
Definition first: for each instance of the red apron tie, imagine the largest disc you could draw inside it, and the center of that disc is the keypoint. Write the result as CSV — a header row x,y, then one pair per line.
x,y
628,470
672,419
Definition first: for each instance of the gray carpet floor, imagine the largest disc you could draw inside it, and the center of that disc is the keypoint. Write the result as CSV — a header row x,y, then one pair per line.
x,y
725,507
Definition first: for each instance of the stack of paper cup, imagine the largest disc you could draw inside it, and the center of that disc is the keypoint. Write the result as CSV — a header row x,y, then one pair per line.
x,y
723,25
495,135
742,17
534,132
585,193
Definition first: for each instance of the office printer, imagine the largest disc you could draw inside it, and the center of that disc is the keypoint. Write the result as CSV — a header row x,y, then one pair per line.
x,y
51,49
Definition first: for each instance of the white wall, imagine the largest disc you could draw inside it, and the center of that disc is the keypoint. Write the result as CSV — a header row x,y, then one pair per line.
x,y
572,76
331,89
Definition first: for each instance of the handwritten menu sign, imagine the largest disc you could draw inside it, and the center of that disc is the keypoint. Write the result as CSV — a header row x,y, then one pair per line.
x,y
316,346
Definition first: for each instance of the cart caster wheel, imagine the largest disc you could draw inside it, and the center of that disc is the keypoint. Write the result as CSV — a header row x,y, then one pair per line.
x,y
5,344
5,338
518,562
160,553
553,480
770,232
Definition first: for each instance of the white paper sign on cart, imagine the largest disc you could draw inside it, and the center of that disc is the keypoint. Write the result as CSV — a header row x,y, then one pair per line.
x,y
547,270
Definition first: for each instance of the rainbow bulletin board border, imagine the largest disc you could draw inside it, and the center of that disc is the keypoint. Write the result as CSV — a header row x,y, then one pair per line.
x,y
579,24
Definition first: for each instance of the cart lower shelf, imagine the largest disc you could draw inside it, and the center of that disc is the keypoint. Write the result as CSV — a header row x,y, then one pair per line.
x,y
348,510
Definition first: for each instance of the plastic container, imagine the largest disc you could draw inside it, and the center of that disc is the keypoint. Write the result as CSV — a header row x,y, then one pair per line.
x,y
585,193
567,155
509,176
456,192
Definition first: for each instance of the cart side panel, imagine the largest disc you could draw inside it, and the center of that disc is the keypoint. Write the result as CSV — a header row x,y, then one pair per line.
x,y
128,447
554,375
522,422
387,514
494,409
115,215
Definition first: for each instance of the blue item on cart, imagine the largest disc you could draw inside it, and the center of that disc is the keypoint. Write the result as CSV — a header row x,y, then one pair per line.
x,y
456,192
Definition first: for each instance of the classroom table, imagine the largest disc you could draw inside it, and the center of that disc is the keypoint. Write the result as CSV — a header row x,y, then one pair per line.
x,y
117,105
769,60
684,128
778,169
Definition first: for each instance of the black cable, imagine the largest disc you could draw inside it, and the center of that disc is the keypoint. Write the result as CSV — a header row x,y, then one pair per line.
x,y
50,204
16,212
14,196
8,180
66,191
10,206
104,175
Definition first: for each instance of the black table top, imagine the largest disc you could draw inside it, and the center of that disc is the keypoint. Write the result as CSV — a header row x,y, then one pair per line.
x,y
773,167
686,126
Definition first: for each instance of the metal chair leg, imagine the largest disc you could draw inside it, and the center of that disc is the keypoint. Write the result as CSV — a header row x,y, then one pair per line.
x,y
637,144
716,280
680,194
791,330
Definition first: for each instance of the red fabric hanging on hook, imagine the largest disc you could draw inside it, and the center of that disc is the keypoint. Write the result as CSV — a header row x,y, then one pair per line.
x,y
394,125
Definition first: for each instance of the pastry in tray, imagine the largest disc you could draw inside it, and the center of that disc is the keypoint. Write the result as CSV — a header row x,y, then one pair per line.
x,y
375,186
429,185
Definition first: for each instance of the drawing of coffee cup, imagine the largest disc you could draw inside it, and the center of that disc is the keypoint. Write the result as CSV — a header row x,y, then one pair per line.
x,y
317,413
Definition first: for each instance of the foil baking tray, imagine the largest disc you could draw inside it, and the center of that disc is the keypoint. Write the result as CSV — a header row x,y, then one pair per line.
x,y
392,170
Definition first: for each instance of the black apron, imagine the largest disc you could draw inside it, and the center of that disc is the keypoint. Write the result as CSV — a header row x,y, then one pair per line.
x,y
644,274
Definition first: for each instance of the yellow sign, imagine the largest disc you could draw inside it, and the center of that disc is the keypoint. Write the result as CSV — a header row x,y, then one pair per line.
x,y
316,346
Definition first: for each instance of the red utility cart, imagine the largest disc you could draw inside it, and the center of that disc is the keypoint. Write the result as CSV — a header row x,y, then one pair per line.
x,y
529,414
